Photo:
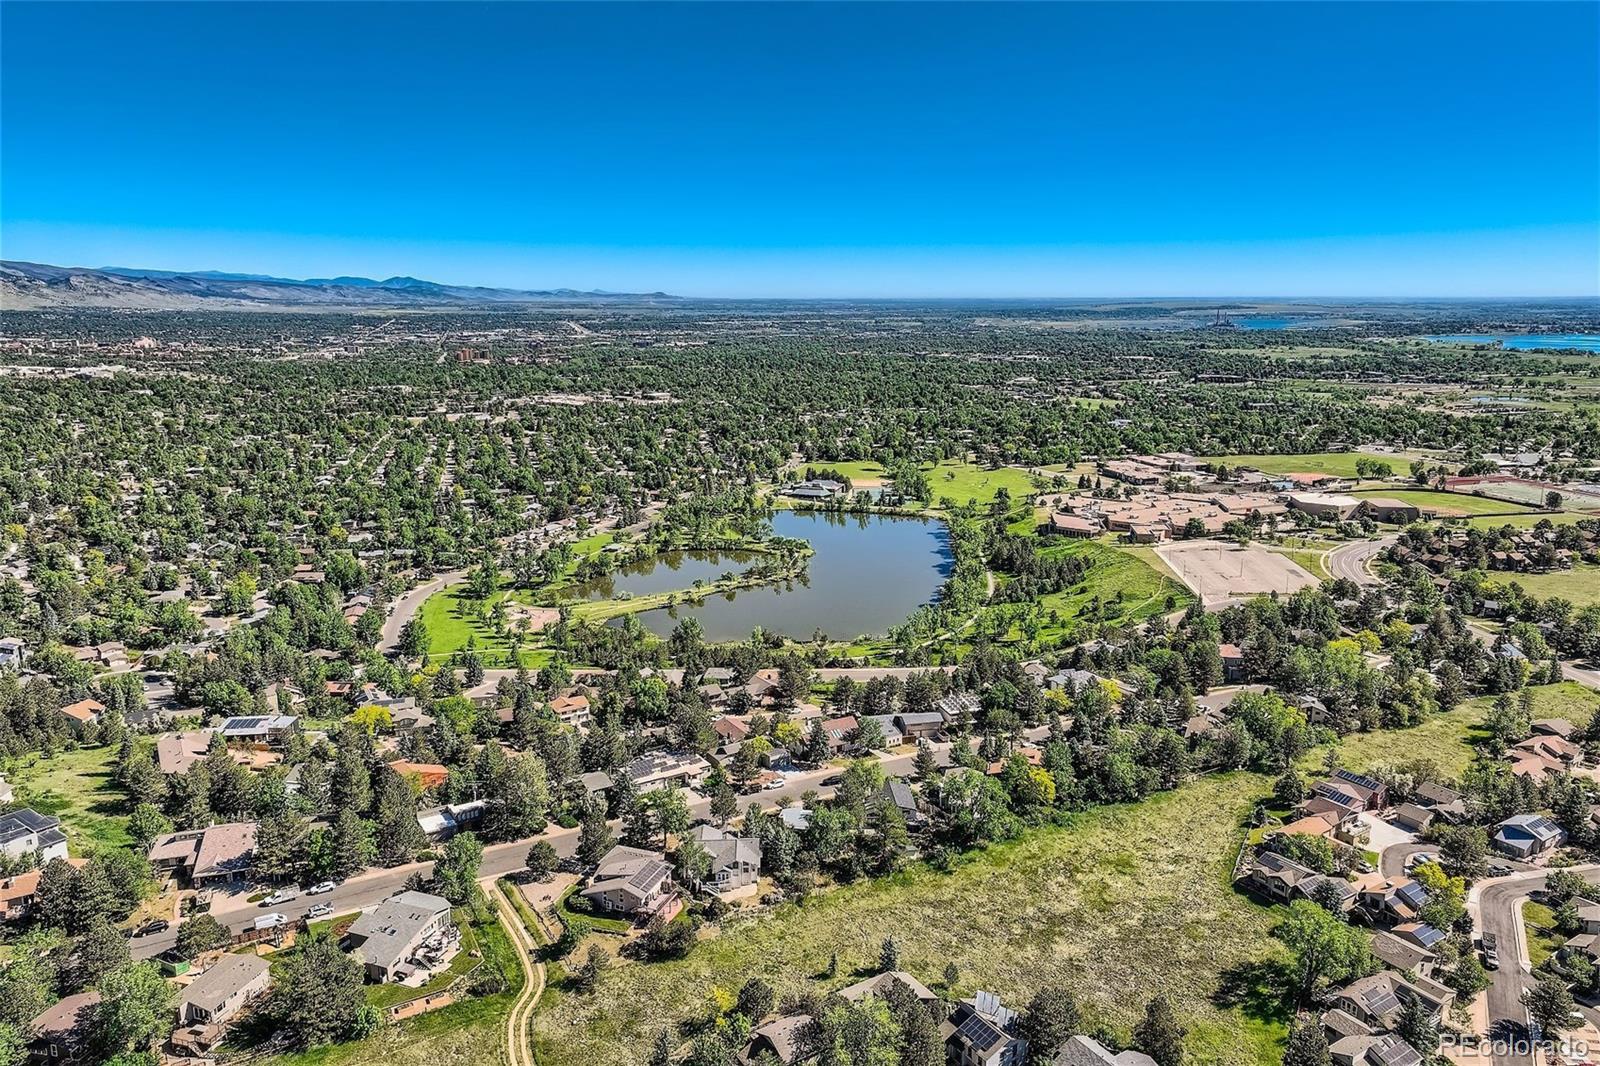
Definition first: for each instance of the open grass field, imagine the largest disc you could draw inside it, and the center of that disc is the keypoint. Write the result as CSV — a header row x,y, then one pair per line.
x,y
1117,906
1340,464
1526,521
1142,583
959,481
77,786
1448,504
1579,586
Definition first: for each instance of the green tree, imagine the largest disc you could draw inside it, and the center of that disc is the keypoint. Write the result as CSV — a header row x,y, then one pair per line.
x,y
1307,1046
1049,1018
1159,1035
542,859
457,869
1550,1006
134,1009
201,933
1323,949
318,996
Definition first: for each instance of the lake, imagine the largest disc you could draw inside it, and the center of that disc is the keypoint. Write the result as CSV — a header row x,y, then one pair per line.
x,y
1587,342
868,573
663,573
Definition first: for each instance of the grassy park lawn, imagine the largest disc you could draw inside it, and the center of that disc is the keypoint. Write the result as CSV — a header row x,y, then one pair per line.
x,y
1137,577
1579,586
1122,903
79,787
1339,464
1447,503
1543,936
959,481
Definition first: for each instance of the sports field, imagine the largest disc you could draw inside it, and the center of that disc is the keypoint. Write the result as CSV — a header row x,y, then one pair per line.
x,y
1340,464
1448,504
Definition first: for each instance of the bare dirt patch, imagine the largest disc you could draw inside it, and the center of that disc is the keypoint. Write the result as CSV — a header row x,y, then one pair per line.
x,y
1220,572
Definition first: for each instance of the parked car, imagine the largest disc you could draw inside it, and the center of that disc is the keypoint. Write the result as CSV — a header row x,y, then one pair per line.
x,y
153,926
283,895
1500,870
322,886
271,921
1491,956
321,910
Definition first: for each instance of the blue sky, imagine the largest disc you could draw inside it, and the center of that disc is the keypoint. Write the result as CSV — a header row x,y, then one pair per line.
x,y
818,150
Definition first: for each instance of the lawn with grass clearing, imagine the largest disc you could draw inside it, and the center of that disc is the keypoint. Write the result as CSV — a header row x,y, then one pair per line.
x,y
1526,521
79,787
1123,579
1579,586
959,481
1447,503
1121,904
1543,937
1339,464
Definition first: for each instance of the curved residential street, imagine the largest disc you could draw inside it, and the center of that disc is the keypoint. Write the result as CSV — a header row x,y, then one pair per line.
x,y
1350,561
406,607
1496,905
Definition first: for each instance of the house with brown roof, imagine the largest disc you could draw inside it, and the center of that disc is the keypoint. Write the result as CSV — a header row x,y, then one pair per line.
x,y
429,774
222,991
177,752
19,892
784,1038
217,855
61,1033
83,714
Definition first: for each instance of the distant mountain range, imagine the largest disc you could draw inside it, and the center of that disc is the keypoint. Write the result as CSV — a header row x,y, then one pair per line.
x,y
28,286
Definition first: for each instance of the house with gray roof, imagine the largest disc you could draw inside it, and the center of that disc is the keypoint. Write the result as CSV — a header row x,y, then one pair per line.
x,y
404,933
1087,1051
1528,836
735,860
221,992
630,881
26,831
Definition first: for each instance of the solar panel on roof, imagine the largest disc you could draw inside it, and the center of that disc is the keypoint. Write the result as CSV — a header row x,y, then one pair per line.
x,y
978,1032
1542,824
647,874
1382,1001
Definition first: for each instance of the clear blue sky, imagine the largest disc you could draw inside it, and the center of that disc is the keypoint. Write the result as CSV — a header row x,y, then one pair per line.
x,y
1072,150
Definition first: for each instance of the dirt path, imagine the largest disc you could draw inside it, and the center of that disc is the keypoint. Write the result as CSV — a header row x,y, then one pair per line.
x,y
519,1045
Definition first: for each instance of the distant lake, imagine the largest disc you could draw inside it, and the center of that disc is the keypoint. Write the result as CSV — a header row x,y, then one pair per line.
x,y
868,573
1269,322
1587,342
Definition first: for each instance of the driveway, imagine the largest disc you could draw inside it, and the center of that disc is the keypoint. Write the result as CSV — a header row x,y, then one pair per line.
x,y
1384,835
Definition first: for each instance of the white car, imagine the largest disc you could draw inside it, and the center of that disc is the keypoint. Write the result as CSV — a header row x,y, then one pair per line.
x,y
283,895
321,910
322,886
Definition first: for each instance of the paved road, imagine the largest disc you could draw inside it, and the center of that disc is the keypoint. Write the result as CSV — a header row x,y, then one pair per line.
x,y
365,889
1497,908
1393,861
1349,561
406,607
